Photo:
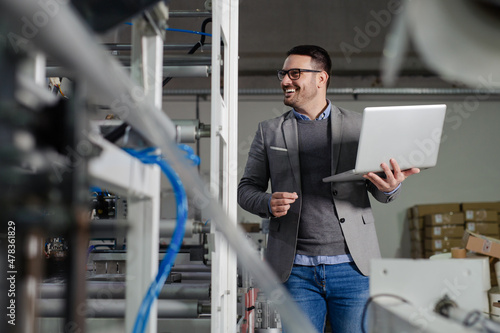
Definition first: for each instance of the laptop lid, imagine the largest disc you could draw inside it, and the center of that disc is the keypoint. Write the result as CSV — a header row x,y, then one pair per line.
x,y
410,134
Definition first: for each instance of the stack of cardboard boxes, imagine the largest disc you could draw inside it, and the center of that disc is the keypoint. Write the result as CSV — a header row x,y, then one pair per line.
x,y
482,218
437,228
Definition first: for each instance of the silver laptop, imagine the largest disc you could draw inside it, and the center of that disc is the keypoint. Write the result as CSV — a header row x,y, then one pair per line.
x,y
410,134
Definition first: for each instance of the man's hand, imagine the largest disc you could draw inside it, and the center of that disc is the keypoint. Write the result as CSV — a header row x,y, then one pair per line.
x,y
393,178
280,202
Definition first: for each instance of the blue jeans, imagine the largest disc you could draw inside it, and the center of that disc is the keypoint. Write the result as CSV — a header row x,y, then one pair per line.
x,y
340,291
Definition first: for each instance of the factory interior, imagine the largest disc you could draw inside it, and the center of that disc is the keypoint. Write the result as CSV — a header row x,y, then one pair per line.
x,y
125,127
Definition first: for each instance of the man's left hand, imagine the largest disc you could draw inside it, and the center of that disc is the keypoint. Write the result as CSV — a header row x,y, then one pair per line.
x,y
393,178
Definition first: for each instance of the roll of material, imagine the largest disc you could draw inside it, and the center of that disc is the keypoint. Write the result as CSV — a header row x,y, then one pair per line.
x,y
494,297
485,260
458,252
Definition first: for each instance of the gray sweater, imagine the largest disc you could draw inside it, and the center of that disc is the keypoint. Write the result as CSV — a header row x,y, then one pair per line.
x,y
320,233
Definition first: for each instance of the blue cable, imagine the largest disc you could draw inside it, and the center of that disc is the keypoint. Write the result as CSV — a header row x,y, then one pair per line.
x,y
89,250
182,30
182,208
190,32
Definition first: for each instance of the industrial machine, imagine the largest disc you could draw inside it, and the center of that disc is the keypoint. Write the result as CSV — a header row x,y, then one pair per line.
x,y
108,224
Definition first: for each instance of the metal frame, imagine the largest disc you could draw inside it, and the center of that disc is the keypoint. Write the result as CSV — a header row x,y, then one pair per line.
x,y
223,159
121,173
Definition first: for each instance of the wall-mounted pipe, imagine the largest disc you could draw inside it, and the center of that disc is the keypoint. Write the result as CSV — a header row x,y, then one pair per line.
x,y
116,290
115,308
353,91
170,71
192,227
183,13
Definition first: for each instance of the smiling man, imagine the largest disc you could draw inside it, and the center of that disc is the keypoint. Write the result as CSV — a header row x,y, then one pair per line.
x,y
321,235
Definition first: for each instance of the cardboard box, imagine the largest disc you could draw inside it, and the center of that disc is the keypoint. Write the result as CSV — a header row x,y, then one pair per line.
x,y
481,244
422,210
442,244
481,215
481,205
445,231
444,218
416,223
419,234
250,227
483,228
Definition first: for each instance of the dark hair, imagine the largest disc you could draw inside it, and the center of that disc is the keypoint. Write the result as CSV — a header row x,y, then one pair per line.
x,y
318,54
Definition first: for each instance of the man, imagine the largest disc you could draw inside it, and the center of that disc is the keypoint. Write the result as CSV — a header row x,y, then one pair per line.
x,y
321,235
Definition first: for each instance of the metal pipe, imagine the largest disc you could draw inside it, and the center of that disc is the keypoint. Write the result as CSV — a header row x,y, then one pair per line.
x,y
168,71
171,47
352,91
191,268
196,276
115,308
109,228
116,290
183,13
167,228
177,60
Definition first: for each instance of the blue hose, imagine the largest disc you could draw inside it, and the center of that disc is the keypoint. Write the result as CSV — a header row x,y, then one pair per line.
x,y
182,30
182,208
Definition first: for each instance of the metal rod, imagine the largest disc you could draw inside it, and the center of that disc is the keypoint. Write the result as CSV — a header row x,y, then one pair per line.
x,y
191,268
178,60
115,308
196,276
192,227
170,47
182,13
353,91
170,71
116,290
167,228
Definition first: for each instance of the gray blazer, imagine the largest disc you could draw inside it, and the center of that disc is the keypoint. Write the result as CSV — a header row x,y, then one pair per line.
x,y
274,156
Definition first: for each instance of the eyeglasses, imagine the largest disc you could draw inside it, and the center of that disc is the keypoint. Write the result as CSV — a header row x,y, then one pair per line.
x,y
294,73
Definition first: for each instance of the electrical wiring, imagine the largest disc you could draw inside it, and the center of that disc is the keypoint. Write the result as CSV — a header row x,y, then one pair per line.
x,y
60,91
195,47
147,156
200,43
365,309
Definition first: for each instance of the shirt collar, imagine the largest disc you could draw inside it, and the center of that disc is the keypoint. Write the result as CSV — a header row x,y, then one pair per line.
x,y
323,115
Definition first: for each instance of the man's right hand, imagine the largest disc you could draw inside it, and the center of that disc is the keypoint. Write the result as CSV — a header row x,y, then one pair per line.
x,y
280,202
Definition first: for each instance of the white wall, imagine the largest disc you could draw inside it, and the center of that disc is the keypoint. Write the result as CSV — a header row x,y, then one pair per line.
x,y
468,167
